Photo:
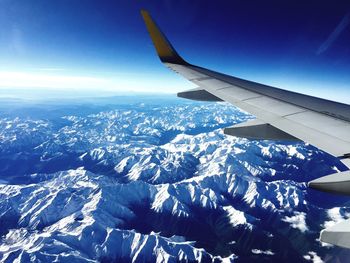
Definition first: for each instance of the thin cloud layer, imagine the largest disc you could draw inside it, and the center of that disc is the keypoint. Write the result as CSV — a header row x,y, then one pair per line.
x,y
334,35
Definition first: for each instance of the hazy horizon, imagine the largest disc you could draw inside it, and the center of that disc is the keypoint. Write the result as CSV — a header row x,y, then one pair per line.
x,y
104,47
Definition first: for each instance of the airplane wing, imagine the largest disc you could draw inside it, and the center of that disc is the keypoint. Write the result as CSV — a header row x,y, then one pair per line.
x,y
280,114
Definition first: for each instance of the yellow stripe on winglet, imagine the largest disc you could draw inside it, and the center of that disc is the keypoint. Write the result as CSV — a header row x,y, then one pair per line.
x,y
165,50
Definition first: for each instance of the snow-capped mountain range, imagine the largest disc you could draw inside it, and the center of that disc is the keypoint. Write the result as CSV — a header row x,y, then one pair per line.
x,y
158,182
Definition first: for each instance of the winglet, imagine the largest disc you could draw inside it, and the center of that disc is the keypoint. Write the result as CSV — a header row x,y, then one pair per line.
x,y
165,50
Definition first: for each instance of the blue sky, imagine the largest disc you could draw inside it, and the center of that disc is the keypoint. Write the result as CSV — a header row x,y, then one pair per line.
x,y
104,46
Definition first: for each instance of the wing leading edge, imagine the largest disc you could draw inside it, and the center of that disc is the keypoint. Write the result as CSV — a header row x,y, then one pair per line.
x,y
281,114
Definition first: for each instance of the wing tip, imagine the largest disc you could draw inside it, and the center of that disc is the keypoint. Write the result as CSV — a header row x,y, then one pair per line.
x,y
165,50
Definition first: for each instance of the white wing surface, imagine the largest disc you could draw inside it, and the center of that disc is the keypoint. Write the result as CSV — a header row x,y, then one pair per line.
x,y
281,115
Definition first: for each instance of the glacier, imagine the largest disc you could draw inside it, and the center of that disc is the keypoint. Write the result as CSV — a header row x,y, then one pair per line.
x,y
144,179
